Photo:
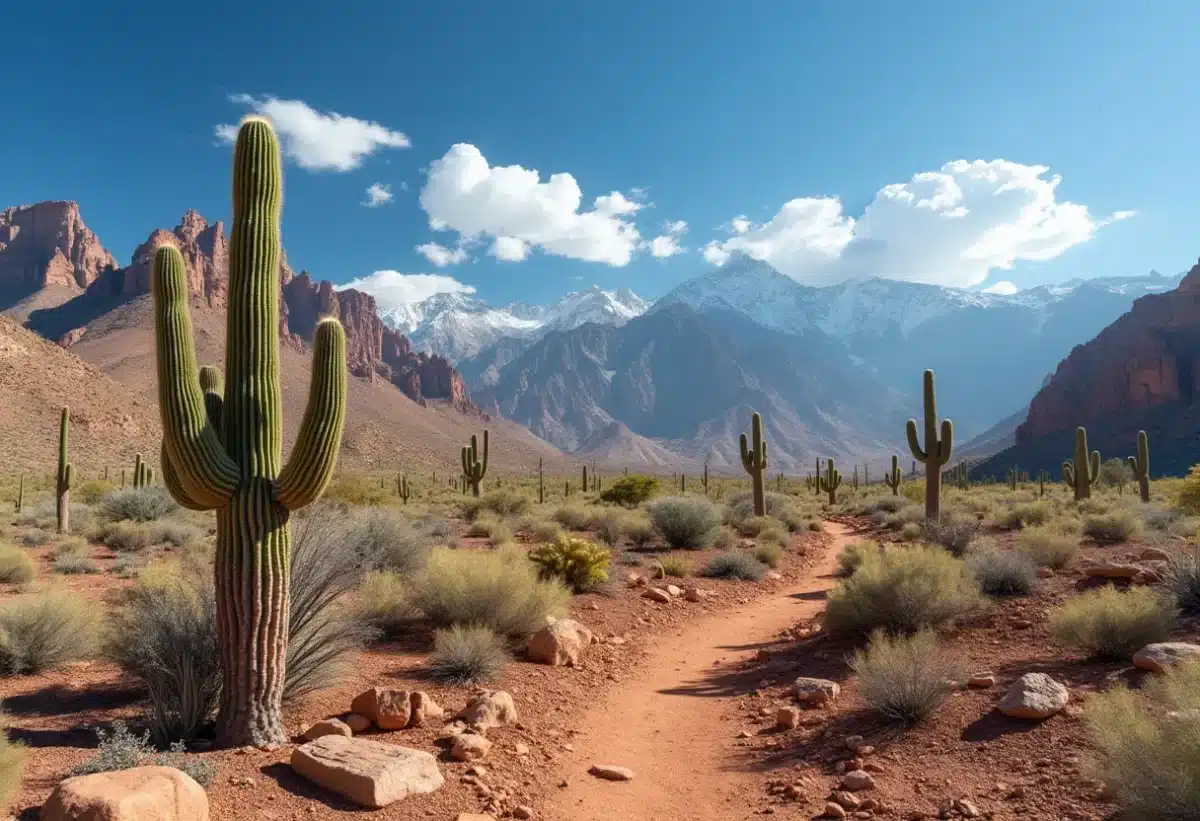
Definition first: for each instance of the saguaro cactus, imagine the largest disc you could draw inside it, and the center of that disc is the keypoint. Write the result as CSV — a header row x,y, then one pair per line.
x,y
754,460
892,477
936,451
402,489
830,482
704,480
143,474
472,467
1085,470
817,477
1141,466
1043,476
62,483
237,468
21,493
541,483
585,481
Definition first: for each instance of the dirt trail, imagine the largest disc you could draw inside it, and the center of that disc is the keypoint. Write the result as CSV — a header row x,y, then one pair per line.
x,y
667,725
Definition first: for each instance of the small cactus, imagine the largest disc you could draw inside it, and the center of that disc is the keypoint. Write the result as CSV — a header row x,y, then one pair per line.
x,y
541,484
62,483
704,481
585,480
1043,477
754,461
473,467
830,482
1081,474
936,452
21,493
1141,465
892,477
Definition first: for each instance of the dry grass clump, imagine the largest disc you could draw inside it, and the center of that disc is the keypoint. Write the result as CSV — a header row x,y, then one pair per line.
x,y
467,655
1047,547
676,566
1112,528
952,531
142,504
1109,623
384,603
1029,514
1002,573
1182,579
15,565
734,564
905,678
769,554
685,522
502,502
45,630
12,767
852,555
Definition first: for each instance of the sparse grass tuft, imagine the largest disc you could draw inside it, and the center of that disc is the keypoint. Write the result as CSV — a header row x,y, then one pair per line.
x,y
769,554
1112,528
685,522
15,565
1002,572
676,566
905,678
734,564
467,655
953,532
1047,547
45,630
1182,579
1109,623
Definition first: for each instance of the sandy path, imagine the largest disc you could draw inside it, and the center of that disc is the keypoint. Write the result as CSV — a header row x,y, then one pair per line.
x,y
666,723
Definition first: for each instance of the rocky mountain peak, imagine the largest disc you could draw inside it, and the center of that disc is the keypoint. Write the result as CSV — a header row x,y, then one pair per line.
x,y
48,244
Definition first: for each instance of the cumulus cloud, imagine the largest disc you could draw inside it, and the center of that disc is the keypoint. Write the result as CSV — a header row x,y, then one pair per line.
x,y
948,227
667,244
393,289
316,140
1003,288
441,256
377,195
518,212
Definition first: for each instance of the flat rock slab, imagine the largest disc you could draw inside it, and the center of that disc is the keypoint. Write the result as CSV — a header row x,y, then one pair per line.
x,y
816,691
611,772
1159,656
1034,696
138,794
369,773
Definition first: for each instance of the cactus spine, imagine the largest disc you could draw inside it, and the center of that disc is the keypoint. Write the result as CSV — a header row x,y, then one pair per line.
x,y
1085,470
62,483
830,482
1141,465
892,477
238,469
754,460
936,452
473,467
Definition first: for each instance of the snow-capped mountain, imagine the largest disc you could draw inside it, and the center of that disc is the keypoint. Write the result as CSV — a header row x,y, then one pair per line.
x,y
459,326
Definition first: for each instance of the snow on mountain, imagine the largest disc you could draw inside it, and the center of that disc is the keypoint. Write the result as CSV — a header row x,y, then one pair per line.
x,y
458,326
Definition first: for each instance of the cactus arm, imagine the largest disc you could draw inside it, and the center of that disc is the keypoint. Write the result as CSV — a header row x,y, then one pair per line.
x,y
212,383
1069,474
914,444
171,480
745,448
946,442
310,467
1094,467
202,466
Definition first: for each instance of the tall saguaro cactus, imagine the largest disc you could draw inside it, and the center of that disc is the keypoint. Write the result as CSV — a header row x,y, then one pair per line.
x,y
1081,474
830,482
892,477
472,467
936,452
237,467
143,474
754,460
62,481
1141,466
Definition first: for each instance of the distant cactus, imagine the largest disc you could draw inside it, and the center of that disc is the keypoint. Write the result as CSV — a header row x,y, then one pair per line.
x,y
830,482
1141,465
585,480
866,474
817,477
892,477
473,467
541,484
402,489
704,481
1085,470
143,474
936,452
62,483
21,493
854,483
754,461
1043,477
1013,476
682,482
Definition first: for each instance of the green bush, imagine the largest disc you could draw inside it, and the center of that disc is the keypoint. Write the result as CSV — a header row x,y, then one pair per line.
x,y
1029,514
852,555
630,491
142,504
498,589
903,591
1147,742
1109,623
905,678
1002,572
685,522
610,526
951,532
1047,547
734,564
71,564
503,502
640,531
15,565
45,630
676,566
577,563
769,554
741,506
467,655
384,539
1112,528
358,490
122,750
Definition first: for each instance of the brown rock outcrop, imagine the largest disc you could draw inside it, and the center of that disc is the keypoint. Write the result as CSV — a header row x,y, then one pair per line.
x,y
48,244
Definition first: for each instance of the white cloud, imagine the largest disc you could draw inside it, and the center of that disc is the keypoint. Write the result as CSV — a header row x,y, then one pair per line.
x,y
947,227
393,289
377,195
441,256
511,205
1003,288
316,140
667,245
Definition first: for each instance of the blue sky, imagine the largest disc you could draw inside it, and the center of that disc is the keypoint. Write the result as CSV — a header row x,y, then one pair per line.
x,y
766,127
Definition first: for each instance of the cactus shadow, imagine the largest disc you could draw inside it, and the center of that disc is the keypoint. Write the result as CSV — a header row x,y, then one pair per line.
x,y
57,700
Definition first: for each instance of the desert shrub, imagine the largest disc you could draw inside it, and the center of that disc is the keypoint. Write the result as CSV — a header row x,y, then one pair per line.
x,y
630,491
122,750
1159,518
574,517
1115,472
498,589
1112,528
741,506
467,655
91,491
1147,742
35,537
676,566
127,536
903,590
12,767
15,565
502,502
165,637
913,490
734,564
911,532
384,603
1182,578
905,678
71,564
1112,624
436,527
640,531
814,526
912,514
543,531
1002,572
685,522
851,556
725,539
128,565
610,526
951,532
577,563
141,504
1047,547
357,490
769,554
885,504
45,630
1029,514
384,540
630,558
176,534
754,525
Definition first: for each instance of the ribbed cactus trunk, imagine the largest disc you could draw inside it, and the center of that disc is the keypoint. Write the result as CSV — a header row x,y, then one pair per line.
x,y
754,461
936,452
1141,466
892,477
473,467
62,480
235,467
1083,472
830,482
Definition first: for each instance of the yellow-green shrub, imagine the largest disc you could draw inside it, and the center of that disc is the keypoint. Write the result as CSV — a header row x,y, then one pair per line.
x,y
15,565
1047,547
1110,623
580,564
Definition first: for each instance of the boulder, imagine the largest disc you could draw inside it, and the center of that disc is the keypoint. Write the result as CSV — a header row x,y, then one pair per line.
x,y
357,723
816,691
1034,696
469,747
388,709
423,709
787,718
138,794
330,726
1159,656
369,773
560,644
488,709
856,780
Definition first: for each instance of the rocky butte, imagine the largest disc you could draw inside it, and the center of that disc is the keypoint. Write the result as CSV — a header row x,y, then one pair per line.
x,y
48,244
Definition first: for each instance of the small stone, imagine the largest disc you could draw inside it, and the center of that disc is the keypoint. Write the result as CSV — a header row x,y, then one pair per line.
x,y
611,772
853,742
469,747
654,594
1045,572
523,812
357,723
1034,696
847,799
521,749
330,726
856,780
833,810
981,681
423,709
788,718
816,691
1159,656
387,708
694,594
745,734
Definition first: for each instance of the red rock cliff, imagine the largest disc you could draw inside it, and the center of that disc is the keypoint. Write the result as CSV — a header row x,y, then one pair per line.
x,y
48,244
1148,357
